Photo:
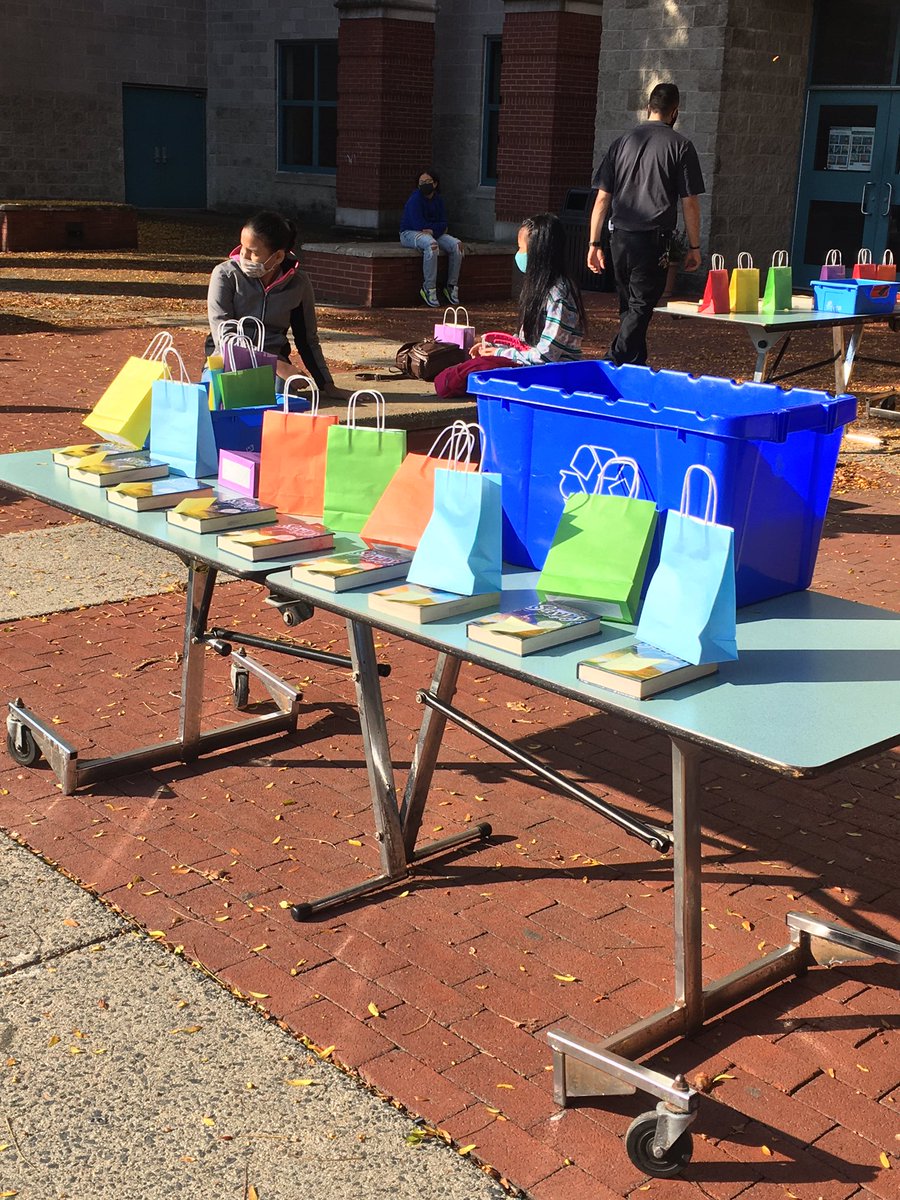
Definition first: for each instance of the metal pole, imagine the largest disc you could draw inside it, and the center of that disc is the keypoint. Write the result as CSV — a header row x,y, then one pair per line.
x,y
428,746
201,580
687,923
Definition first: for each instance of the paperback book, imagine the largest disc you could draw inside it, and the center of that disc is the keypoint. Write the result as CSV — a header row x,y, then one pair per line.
x,y
356,568
527,630
103,470
276,541
640,670
151,494
214,514
73,456
412,602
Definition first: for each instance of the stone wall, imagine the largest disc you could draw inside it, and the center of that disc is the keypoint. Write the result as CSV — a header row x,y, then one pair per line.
x,y
61,88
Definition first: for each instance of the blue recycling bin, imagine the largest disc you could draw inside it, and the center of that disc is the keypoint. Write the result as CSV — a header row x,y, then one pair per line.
x,y
549,429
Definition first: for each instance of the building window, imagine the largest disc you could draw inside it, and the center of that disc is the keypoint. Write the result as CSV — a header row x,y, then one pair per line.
x,y
491,111
307,106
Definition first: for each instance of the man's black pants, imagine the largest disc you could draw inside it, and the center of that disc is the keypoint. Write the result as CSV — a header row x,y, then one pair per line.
x,y
640,282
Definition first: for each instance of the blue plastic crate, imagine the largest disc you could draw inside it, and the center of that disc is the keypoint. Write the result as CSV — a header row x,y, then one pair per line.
x,y
549,429
854,296
241,428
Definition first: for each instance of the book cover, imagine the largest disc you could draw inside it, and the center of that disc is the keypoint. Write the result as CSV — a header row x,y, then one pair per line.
x,y
210,515
73,456
640,670
419,604
356,568
104,470
277,541
150,494
527,630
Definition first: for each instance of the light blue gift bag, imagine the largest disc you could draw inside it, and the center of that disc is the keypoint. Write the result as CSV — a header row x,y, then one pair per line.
x,y
689,609
461,549
181,431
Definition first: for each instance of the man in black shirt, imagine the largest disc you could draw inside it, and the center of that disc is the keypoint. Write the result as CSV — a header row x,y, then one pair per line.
x,y
641,179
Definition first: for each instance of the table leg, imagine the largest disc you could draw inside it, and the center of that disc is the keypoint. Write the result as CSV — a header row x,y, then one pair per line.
x,y
845,353
431,733
687,852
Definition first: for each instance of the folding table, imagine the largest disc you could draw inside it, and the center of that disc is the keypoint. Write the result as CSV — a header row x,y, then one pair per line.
x,y
817,686
29,736
770,336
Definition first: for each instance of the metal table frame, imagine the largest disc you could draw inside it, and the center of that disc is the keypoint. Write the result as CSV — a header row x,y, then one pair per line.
x,y
583,1068
770,336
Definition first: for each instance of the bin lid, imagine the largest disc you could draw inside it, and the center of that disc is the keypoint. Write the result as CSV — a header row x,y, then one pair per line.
x,y
671,399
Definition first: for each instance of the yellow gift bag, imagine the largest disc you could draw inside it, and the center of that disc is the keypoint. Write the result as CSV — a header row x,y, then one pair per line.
x,y
743,292
122,414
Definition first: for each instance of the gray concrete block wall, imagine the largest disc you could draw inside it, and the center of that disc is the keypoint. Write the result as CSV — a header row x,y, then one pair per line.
x,y
61,88
760,127
460,31
646,42
242,98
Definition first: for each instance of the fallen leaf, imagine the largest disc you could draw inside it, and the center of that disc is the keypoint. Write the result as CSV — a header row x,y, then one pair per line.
x,y
299,1082
71,922
885,1161
766,1151
259,995
252,1193
353,842
209,1120
373,1008
506,1085
566,978
157,933
829,1071
464,1150
54,1041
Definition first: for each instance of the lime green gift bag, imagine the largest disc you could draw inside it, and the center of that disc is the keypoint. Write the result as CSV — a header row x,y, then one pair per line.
x,y
779,293
602,543
360,461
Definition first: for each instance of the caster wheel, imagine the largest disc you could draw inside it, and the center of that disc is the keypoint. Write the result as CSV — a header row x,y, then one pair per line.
x,y
291,617
240,686
301,912
639,1145
30,752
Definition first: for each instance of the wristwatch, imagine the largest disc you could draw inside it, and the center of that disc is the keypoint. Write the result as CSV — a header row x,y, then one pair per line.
x,y
596,244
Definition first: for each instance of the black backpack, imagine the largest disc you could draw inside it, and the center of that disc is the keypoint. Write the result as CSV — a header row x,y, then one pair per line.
x,y
425,360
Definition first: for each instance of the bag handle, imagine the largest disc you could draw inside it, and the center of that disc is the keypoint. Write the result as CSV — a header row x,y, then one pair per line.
x,y
887,259
712,495
379,408
158,346
449,440
621,461
864,257
456,311
171,352
260,330
833,259
781,259
314,393
745,261
239,339
718,262
467,431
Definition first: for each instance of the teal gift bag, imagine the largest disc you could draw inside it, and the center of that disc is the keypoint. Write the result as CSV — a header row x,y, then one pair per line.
x,y
689,609
181,431
461,549
360,461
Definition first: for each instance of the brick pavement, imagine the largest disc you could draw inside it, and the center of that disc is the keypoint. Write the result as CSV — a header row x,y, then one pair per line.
x,y
461,963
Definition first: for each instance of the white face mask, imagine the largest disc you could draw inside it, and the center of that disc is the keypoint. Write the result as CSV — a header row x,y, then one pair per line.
x,y
254,270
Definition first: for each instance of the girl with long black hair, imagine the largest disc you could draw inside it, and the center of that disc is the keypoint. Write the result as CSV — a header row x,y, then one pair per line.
x,y
551,311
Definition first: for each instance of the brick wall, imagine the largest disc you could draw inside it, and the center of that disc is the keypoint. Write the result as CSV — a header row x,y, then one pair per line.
x,y
549,88
61,88
386,85
760,127
394,280
112,227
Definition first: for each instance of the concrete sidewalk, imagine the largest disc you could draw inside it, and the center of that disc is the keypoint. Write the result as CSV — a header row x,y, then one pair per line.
x,y
131,1076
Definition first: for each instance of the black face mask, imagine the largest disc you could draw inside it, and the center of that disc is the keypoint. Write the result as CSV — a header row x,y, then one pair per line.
x,y
427,189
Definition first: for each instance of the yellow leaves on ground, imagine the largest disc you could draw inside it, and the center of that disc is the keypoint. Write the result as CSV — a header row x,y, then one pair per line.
x,y
464,1150
566,978
259,995
299,1082
885,1161
373,1008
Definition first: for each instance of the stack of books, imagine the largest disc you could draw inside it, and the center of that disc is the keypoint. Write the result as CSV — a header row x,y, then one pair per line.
x,y
355,569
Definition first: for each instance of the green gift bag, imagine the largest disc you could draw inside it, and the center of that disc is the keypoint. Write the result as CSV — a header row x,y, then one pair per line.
x,y
359,464
779,293
245,389
602,544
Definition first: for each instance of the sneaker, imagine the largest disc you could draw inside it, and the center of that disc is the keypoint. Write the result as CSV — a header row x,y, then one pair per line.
x,y
429,295
451,294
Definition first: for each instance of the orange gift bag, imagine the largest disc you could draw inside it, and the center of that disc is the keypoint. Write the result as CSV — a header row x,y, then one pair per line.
x,y
292,456
400,516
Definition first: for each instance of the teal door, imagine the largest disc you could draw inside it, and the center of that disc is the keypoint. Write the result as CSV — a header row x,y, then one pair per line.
x,y
849,177
165,147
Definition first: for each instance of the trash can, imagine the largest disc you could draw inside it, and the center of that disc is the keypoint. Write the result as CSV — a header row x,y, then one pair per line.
x,y
576,220
549,429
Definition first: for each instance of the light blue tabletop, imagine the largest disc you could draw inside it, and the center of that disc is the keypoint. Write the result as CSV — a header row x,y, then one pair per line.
x,y
817,682
33,473
798,318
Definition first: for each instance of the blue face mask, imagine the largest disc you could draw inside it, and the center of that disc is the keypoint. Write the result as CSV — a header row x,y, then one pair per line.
x,y
522,260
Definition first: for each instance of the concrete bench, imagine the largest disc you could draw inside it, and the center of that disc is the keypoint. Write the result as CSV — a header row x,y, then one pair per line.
x,y
49,225
386,274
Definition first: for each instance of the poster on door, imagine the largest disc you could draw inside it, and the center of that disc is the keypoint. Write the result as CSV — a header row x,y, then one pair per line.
x,y
850,148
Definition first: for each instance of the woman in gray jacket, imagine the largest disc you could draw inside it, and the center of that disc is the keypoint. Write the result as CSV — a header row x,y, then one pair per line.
x,y
262,278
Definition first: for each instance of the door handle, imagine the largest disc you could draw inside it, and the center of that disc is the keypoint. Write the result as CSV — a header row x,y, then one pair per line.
x,y
165,157
862,201
887,199
156,157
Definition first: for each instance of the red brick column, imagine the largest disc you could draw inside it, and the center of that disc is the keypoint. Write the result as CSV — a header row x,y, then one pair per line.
x,y
385,95
548,88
